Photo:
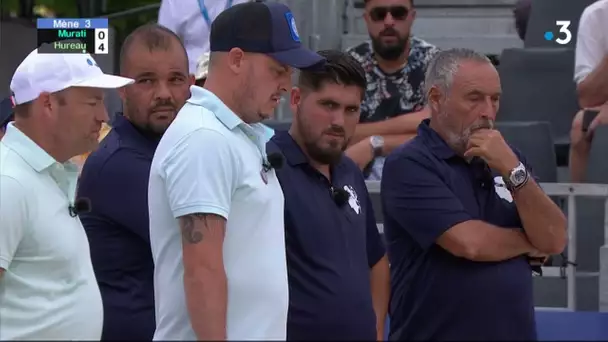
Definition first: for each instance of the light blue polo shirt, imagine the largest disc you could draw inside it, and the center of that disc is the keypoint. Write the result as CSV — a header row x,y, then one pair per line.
x,y
210,161
48,290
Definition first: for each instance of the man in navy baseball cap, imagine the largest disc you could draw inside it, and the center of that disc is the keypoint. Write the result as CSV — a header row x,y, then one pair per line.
x,y
262,27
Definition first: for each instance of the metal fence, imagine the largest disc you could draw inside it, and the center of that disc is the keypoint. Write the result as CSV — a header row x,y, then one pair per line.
x,y
569,191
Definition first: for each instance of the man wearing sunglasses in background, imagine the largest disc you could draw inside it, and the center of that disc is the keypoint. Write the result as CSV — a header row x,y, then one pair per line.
x,y
395,63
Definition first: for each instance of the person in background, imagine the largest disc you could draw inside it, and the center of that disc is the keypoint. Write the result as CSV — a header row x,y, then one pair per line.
x,y
591,77
521,14
115,180
48,288
462,216
6,114
202,69
338,272
191,21
215,204
394,62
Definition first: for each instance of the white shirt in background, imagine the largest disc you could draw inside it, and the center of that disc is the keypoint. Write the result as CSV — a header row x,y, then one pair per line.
x,y
48,290
185,18
210,161
592,39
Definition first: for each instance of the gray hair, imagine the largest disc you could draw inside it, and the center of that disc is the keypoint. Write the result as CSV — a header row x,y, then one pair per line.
x,y
441,69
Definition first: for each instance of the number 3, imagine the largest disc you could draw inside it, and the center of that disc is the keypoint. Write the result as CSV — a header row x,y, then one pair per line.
x,y
87,23
563,28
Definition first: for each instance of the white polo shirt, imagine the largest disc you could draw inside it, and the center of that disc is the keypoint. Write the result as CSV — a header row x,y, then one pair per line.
x,y
48,290
210,161
185,18
592,39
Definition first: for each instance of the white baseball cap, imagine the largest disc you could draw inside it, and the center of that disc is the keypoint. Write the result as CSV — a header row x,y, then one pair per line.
x,y
202,66
51,73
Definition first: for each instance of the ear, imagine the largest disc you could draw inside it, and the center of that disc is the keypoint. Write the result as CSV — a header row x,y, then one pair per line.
x,y
294,99
435,96
413,14
236,57
122,92
192,79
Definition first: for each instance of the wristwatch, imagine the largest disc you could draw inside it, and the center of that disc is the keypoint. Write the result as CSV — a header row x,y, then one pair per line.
x,y
377,143
517,178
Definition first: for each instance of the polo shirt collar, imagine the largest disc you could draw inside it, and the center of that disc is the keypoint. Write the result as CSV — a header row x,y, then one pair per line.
x,y
434,141
127,130
294,154
207,99
25,147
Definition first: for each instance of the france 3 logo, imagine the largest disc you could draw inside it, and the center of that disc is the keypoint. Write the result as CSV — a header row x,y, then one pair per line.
x,y
563,36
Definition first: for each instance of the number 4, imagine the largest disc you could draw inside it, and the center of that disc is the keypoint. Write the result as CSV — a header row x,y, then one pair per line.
x,y
101,47
563,28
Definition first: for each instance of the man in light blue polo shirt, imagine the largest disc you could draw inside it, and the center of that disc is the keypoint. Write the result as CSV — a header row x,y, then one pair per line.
x,y
215,204
48,289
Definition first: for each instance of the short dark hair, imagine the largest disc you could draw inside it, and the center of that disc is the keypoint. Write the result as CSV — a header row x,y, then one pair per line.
x,y
365,2
339,68
153,36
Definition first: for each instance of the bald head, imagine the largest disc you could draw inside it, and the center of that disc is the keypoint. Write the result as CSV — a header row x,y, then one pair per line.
x,y
153,37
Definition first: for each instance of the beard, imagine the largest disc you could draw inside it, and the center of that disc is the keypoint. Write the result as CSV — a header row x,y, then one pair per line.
x,y
323,155
389,52
147,128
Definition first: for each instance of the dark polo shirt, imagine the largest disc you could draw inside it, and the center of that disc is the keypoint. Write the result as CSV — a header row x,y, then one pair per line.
x,y
426,189
115,179
330,249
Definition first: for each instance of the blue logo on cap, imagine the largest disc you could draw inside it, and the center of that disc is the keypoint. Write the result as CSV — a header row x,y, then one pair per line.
x,y
293,30
91,62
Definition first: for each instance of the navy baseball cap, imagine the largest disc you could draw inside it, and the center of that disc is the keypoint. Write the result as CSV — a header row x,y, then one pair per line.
x,y
6,111
262,27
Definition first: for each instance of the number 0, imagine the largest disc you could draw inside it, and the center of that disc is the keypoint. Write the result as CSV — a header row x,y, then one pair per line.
x,y
101,35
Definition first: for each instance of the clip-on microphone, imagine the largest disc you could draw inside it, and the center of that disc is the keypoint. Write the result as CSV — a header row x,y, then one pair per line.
x,y
80,206
340,196
273,161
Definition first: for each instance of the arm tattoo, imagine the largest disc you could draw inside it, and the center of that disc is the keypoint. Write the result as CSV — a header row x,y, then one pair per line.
x,y
190,233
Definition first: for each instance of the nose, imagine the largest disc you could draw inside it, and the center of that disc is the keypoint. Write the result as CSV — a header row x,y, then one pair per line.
x,y
337,119
102,114
389,20
490,108
162,91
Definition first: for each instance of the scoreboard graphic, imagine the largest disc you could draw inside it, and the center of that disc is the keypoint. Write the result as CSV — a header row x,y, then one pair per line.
x,y
70,35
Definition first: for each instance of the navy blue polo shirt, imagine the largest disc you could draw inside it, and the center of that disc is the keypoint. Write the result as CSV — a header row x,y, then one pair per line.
x,y
330,249
115,179
426,189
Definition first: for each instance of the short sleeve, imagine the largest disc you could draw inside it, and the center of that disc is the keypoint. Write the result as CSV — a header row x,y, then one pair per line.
x,y
589,48
201,174
375,245
13,211
169,17
415,199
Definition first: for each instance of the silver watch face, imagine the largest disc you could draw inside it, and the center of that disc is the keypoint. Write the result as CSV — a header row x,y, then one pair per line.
x,y
377,141
518,176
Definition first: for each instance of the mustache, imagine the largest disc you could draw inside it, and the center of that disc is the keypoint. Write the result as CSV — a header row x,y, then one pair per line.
x,y
337,130
482,124
163,104
389,31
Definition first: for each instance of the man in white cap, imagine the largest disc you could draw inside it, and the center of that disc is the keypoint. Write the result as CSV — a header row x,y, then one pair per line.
x,y
48,289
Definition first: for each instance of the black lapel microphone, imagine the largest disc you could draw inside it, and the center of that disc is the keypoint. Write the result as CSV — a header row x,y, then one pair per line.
x,y
340,196
273,161
80,206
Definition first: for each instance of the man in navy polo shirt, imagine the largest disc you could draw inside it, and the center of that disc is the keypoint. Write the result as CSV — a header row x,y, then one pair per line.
x,y
333,244
115,179
463,216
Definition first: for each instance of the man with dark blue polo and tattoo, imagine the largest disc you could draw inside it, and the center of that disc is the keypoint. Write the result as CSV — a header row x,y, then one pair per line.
x,y
463,216
337,269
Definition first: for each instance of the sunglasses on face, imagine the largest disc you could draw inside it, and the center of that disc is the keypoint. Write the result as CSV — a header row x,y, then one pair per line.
x,y
397,12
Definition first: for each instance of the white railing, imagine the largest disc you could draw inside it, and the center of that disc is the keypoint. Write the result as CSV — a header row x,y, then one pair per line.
x,y
569,191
